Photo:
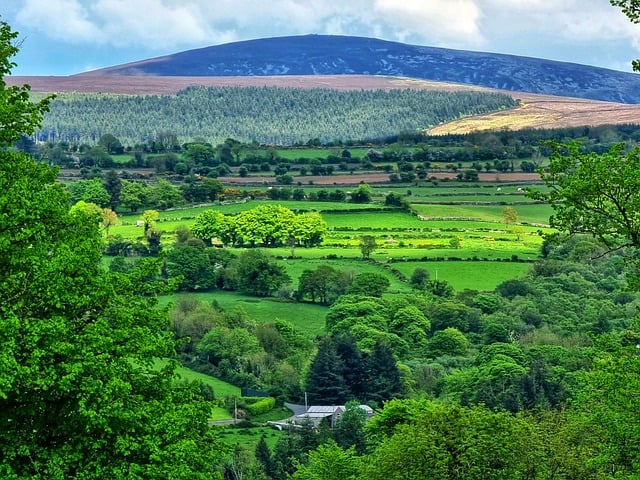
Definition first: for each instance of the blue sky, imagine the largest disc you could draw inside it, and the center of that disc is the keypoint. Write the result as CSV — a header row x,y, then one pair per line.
x,y
63,37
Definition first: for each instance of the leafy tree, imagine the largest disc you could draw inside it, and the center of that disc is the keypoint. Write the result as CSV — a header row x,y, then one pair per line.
x,y
594,194
79,396
369,283
133,195
322,284
92,191
111,144
266,225
149,217
109,219
350,428
509,216
18,114
362,194
163,195
257,274
212,224
419,278
194,266
232,344
449,341
607,404
367,245
446,441
329,462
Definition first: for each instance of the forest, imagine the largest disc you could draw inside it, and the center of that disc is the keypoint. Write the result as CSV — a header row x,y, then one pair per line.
x,y
537,378
266,115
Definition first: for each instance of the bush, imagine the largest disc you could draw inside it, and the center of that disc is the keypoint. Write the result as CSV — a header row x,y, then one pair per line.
x,y
260,406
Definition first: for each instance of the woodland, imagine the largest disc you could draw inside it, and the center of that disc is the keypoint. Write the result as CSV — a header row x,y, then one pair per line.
x,y
537,378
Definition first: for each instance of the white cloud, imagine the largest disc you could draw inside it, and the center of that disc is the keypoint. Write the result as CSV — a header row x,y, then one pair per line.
x,y
545,28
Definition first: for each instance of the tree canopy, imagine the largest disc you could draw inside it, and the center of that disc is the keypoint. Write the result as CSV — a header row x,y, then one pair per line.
x,y
79,396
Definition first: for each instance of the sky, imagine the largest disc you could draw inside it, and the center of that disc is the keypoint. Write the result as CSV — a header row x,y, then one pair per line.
x,y
63,37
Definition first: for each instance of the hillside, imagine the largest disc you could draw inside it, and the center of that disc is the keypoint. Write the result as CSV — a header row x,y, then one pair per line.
x,y
344,55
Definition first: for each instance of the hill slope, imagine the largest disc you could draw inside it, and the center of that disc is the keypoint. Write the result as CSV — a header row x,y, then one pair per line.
x,y
344,55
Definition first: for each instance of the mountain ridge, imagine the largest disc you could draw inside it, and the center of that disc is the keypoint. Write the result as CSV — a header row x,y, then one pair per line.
x,y
347,55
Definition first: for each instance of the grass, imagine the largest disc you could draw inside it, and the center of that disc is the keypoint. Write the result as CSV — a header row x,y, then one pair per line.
x,y
221,389
249,437
468,275
309,318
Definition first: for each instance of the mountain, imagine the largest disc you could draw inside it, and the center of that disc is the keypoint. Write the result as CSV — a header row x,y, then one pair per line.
x,y
345,55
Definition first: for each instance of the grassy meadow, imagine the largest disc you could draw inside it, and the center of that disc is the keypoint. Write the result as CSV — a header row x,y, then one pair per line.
x,y
457,232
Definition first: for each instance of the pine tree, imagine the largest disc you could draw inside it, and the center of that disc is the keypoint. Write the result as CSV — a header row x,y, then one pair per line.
x,y
383,376
325,382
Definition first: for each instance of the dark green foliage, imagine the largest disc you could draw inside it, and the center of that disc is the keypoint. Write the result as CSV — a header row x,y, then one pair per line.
x,y
382,374
257,274
369,283
278,115
78,395
325,381
349,431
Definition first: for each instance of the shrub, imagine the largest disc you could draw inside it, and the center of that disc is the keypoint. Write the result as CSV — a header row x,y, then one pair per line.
x,y
262,405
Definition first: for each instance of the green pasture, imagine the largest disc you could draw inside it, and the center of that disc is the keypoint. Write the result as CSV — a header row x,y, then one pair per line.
x,y
395,220
295,268
249,437
468,275
309,318
221,389
295,153
531,213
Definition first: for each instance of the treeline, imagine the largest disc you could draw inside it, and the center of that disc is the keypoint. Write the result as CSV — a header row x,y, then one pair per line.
x,y
267,115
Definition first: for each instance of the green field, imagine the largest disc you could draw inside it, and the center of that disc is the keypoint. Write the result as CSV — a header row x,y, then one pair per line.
x,y
468,275
309,318
221,389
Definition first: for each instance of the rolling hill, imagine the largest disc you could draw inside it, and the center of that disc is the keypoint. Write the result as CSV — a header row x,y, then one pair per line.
x,y
345,55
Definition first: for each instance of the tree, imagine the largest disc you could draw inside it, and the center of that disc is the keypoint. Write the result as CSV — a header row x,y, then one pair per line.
x,y
111,144
325,383
369,283
133,195
91,191
322,284
329,462
350,428
79,395
419,278
509,216
149,217
113,185
362,194
449,341
193,266
367,245
382,374
212,224
594,194
109,219
257,274
18,114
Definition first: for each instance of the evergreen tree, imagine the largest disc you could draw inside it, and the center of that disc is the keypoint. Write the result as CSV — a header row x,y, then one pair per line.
x,y
263,456
353,366
383,376
325,382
